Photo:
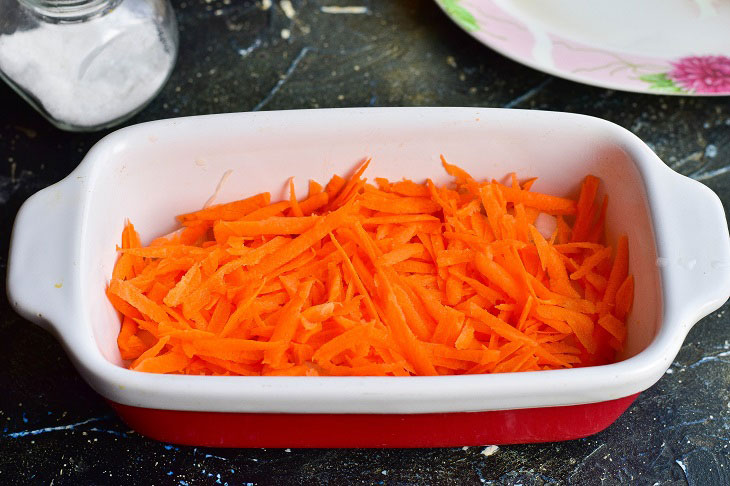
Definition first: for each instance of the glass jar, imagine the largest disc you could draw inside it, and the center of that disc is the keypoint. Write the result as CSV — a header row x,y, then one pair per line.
x,y
87,64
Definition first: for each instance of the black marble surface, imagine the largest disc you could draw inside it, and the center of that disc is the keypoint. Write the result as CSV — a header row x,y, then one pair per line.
x,y
55,430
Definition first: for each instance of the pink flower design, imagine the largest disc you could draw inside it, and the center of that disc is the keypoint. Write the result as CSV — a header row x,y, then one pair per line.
x,y
702,74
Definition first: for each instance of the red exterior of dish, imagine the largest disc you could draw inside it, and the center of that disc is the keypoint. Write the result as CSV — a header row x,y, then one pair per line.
x,y
218,429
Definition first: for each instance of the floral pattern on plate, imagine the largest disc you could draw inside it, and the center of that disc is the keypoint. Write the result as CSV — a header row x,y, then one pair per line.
x,y
459,14
497,24
694,74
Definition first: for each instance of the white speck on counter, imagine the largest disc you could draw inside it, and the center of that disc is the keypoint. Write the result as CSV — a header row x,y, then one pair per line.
x,y
489,450
287,8
287,450
384,472
465,448
265,4
285,34
669,371
333,9
89,73
248,50
711,151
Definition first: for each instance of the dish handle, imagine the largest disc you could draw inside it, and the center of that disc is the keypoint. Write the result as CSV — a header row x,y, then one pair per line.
x,y
694,254
44,255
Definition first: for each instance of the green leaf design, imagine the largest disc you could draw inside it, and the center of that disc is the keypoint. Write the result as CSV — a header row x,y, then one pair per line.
x,y
661,82
460,15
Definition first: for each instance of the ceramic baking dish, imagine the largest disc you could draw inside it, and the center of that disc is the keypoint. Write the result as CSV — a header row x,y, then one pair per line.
x,y
63,242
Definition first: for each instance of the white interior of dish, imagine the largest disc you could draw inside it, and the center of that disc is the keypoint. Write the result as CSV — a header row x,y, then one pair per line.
x,y
653,28
154,175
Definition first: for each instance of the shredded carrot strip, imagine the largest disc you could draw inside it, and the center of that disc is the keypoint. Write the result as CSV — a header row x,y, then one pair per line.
x,y
227,212
543,202
624,298
274,225
619,270
313,203
585,208
400,205
395,279
590,262
295,209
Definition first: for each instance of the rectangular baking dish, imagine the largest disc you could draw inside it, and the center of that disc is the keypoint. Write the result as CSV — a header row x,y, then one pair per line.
x,y
62,253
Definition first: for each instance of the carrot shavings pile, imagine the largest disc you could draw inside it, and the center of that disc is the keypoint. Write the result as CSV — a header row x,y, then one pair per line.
x,y
396,278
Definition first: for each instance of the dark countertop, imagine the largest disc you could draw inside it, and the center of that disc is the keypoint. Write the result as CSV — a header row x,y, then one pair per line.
x,y
55,430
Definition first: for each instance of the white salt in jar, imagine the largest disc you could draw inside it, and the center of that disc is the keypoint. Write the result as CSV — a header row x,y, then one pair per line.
x,y
87,64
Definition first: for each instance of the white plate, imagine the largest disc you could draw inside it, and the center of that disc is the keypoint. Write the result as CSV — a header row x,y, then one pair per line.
x,y
679,47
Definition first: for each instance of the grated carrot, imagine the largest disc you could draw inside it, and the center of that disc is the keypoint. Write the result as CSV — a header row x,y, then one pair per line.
x,y
394,279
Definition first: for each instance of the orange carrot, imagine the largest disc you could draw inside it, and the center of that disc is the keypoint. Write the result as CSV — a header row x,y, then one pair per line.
x,y
350,186
288,321
295,209
591,262
274,225
585,208
401,205
409,188
543,202
230,211
624,298
314,188
151,352
619,271
313,203
167,363
300,244
334,186
613,325
130,345
498,276
403,278
581,324
551,261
